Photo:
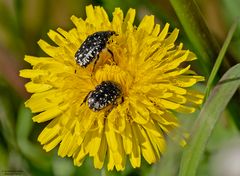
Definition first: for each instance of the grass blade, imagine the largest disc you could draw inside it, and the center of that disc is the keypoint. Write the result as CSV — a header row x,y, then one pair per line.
x,y
196,29
220,58
210,113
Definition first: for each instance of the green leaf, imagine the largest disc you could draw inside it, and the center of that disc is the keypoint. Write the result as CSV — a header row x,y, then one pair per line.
x,y
7,118
3,157
9,29
209,115
62,166
196,29
31,151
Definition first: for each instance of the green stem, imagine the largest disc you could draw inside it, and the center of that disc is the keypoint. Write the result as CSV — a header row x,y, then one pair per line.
x,y
103,172
220,58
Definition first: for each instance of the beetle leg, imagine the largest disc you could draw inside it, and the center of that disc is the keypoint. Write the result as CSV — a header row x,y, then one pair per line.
x,y
122,99
111,54
94,65
85,99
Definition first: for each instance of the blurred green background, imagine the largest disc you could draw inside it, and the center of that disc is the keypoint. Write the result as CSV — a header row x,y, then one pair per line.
x,y
23,23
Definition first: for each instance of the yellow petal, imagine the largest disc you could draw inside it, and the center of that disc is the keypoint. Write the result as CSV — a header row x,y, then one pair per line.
x,y
186,81
50,50
135,156
33,87
44,100
164,32
179,99
146,24
100,156
73,146
49,132
162,86
159,143
139,112
128,20
116,122
146,146
111,137
172,37
156,30
57,38
173,73
53,143
168,118
90,14
27,73
49,114
79,156
81,28
185,109
103,16
168,104
65,144
127,138
194,99
151,127
111,163
92,141
173,61
117,20
36,60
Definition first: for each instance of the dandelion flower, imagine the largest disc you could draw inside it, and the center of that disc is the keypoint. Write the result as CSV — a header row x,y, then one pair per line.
x,y
145,63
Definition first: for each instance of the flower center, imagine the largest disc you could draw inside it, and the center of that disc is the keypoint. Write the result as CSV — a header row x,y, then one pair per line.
x,y
115,74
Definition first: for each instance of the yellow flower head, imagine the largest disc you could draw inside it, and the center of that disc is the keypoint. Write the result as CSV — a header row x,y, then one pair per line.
x,y
142,61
